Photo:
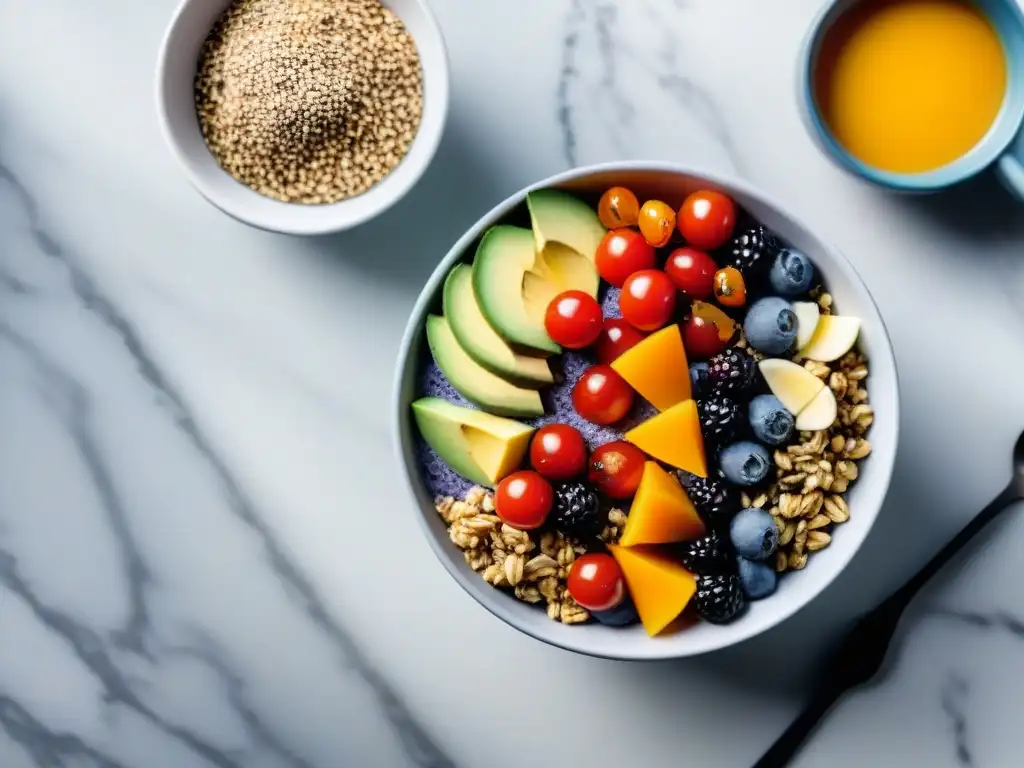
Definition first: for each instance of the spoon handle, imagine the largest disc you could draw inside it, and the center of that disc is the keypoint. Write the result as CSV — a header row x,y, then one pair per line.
x,y
863,650
788,744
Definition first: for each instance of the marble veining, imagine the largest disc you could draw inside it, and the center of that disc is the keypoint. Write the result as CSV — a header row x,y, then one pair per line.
x,y
205,559
618,60
70,403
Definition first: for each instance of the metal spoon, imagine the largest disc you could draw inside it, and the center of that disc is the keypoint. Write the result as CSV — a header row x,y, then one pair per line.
x,y
860,655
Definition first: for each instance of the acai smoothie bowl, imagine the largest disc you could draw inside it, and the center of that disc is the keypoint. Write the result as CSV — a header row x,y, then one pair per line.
x,y
644,412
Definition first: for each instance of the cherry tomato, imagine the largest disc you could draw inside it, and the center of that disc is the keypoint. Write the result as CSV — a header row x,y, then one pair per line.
x,y
558,452
616,469
621,253
701,338
595,581
648,299
692,271
523,500
730,290
573,319
617,335
706,219
618,207
601,395
727,327
657,221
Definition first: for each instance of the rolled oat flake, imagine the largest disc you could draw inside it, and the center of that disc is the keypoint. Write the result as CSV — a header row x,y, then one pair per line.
x,y
309,101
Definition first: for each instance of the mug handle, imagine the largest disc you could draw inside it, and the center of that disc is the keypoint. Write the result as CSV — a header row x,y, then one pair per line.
x,y
1010,167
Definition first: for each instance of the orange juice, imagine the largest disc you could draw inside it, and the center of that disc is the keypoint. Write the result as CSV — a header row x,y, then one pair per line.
x,y
908,86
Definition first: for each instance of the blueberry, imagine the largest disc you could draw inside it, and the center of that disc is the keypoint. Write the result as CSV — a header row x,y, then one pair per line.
x,y
754,534
791,273
744,463
757,579
699,381
771,422
620,616
770,326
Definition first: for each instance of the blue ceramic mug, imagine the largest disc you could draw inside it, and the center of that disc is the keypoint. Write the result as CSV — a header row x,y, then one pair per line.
x,y
1001,148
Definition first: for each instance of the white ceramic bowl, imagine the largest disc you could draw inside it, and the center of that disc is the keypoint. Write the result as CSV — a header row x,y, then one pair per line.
x,y
176,70
670,183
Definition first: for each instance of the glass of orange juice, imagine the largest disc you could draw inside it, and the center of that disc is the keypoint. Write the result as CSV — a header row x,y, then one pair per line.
x,y
918,95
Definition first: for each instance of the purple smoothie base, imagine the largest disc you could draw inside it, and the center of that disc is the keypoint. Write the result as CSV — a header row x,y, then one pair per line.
x,y
443,481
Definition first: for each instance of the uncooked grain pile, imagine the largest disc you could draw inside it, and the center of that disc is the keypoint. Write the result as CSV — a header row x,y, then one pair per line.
x,y
309,101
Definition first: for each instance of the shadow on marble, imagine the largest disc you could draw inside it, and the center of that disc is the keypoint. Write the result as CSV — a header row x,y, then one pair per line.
x,y
980,209
457,189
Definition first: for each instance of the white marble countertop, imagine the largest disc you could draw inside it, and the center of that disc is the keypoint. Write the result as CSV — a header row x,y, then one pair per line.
x,y
204,559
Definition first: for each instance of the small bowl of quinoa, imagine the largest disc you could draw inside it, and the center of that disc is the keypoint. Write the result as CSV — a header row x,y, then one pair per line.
x,y
303,116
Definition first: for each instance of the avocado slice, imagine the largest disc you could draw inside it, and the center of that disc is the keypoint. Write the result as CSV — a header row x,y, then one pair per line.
x,y
513,287
568,232
481,447
473,381
480,341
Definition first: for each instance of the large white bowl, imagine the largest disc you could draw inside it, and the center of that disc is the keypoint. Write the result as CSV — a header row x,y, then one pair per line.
x,y
176,71
670,183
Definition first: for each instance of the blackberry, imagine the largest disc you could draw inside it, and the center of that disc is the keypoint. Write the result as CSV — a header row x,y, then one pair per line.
x,y
720,419
732,372
752,251
708,555
719,598
716,500
577,510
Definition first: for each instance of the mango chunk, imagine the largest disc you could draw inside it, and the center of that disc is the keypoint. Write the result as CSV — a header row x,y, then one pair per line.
x,y
674,437
657,368
660,587
661,513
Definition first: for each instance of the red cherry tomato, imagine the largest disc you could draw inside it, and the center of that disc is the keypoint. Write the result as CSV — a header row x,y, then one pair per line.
x,y
706,219
616,469
573,319
621,253
648,299
558,452
523,500
701,338
616,337
596,582
692,271
601,395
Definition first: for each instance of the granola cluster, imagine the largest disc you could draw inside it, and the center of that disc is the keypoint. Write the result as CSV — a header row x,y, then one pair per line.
x,y
532,567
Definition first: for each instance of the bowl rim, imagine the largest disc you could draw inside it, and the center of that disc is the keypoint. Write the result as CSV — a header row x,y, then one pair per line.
x,y
428,296
329,217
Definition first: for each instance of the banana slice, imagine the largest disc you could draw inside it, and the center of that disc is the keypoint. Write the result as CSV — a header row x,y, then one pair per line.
x,y
793,384
833,338
807,315
818,414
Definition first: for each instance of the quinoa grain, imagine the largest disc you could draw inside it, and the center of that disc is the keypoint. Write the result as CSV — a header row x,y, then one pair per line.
x,y
309,101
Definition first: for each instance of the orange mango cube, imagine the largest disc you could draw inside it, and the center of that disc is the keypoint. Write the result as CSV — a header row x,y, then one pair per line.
x,y
661,513
674,437
657,368
660,587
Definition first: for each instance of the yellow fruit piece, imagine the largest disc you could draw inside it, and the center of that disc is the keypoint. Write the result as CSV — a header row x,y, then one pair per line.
x,y
661,513
674,437
793,384
657,368
660,587
818,414
833,337
807,316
